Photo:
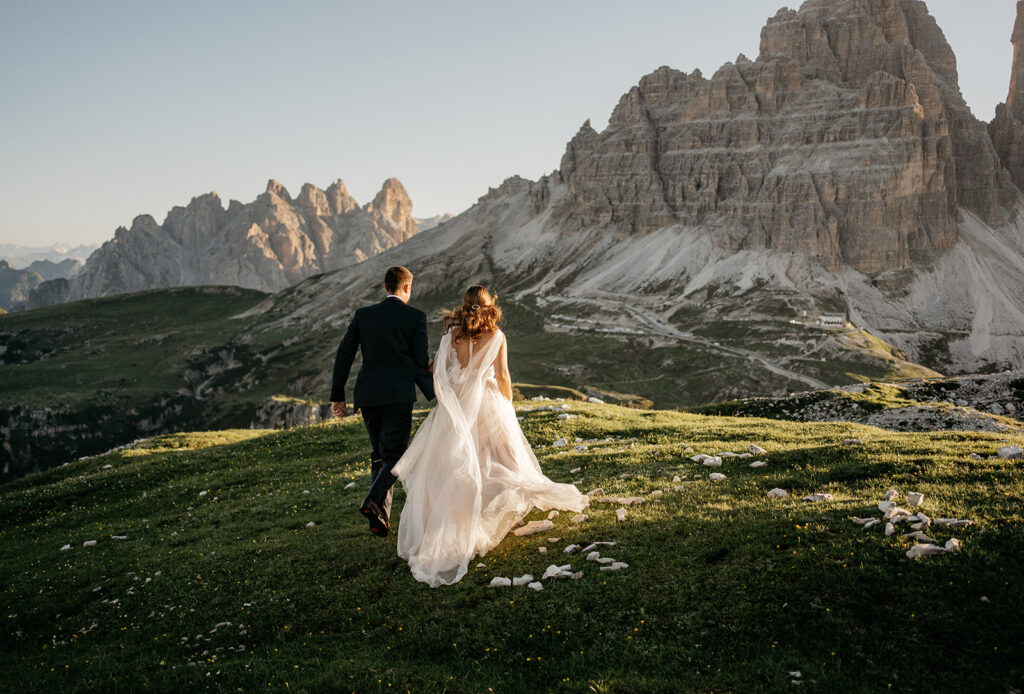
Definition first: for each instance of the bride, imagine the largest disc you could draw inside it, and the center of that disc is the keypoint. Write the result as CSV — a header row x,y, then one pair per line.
x,y
469,473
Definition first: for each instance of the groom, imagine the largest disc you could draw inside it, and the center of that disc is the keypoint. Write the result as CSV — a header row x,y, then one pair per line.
x,y
393,338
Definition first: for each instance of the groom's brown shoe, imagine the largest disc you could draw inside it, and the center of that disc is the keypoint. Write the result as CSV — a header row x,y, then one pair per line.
x,y
379,525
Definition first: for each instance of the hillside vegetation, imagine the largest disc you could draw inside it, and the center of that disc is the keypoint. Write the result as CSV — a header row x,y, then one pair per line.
x,y
219,583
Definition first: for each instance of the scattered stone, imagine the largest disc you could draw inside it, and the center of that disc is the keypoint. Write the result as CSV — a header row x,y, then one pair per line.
x,y
819,497
203,493
65,547
1011,452
895,511
985,599
922,517
593,556
919,525
596,401
713,461
571,549
861,521
677,479
699,458
744,455
924,550
915,498
852,442
534,527
565,416
758,463
89,543
952,545
620,514
592,545
580,447
553,540
615,566
536,585
522,580
622,500
558,443
118,537
575,470
305,491
889,529
975,456
777,493
756,450
499,582
595,492
310,524
542,550
716,477
918,535
350,485
727,454
890,495
564,571
604,560
885,505
107,466
481,565
553,515
953,522
656,493
576,575
871,523
580,518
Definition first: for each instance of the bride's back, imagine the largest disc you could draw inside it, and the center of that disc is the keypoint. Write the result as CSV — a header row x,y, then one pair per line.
x,y
465,347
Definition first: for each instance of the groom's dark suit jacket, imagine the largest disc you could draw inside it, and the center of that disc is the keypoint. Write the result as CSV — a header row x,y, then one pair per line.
x,y
393,339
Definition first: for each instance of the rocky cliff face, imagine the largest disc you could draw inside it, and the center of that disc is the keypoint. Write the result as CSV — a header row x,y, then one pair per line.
x,y
1007,130
16,285
268,244
847,139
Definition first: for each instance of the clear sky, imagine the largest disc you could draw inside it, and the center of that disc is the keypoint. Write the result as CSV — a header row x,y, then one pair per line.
x,y
112,108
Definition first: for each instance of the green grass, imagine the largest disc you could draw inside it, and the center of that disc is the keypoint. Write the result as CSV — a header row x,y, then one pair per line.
x,y
727,590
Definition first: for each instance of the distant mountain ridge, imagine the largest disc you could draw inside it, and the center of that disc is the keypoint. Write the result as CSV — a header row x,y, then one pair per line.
x,y
268,244
16,286
19,257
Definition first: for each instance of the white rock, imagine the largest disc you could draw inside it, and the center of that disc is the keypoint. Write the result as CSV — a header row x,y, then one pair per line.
x,y
580,518
818,496
592,545
499,582
89,543
915,498
889,529
615,566
552,515
576,575
1011,452
953,522
921,525
918,535
536,585
595,492
65,547
350,485
542,550
871,523
305,491
699,458
553,540
744,455
558,443
203,493
656,493
571,549
885,505
727,454
677,479
777,493
575,470
481,565
622,500
952,545
310,524
716,477
758,463
118,537
890,495
620,514
564,571
604,560
534,527
895,511
924,518
924,550
565,416
522,580
756,450
852,442
713,461
107,467
596,401
860,521
593,556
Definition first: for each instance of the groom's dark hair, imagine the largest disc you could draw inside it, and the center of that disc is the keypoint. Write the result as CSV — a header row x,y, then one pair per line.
x,y
396,277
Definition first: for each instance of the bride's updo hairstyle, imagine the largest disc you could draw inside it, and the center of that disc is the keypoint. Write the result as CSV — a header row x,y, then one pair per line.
x,y
478,313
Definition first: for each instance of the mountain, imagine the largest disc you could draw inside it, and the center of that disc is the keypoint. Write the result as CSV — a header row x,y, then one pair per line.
x,y
21,256
425,223
840,171
16,285
268,244
50,270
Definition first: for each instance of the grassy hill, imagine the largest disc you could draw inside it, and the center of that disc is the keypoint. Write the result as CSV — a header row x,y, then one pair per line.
x,y
81,378
220,585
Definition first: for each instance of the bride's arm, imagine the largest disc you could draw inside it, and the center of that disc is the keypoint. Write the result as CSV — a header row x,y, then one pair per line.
x,y
501,373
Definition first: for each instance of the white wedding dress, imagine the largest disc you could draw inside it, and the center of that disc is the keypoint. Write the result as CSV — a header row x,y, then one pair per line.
x,y
469,473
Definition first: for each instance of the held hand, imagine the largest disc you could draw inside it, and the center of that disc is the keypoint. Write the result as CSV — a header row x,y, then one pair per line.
x,y
338,409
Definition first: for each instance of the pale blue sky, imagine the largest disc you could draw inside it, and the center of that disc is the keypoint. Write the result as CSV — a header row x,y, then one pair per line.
x,y
109,109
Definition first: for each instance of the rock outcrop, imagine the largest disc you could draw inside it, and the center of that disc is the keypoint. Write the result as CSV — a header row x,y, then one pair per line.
x,y
1007,129
16,285
847,140
268,244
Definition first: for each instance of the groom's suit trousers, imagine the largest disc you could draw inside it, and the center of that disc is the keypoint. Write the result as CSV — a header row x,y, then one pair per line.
x,y
388,427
